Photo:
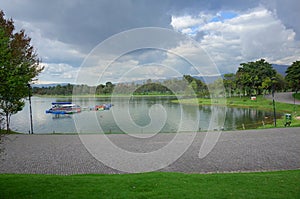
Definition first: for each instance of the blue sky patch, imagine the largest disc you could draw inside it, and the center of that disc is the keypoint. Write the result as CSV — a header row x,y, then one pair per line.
x,y
224,15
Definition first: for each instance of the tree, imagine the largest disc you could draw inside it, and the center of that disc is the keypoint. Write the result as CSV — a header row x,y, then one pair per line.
x,y
293,75
217,88
251,75
229,83
199,88
266,84
280,83
19,66
109,87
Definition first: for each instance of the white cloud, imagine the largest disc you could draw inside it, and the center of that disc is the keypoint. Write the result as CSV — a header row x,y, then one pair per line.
x,y
187,21
57,73
190,58
249,36
139,65
228,30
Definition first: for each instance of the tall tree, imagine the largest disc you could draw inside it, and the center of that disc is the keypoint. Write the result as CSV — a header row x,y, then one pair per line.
x,y
197,85
109,87
251,75
229,83
19,66
293,75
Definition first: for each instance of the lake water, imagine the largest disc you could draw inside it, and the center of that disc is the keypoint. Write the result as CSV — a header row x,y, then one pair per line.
x,y
138,115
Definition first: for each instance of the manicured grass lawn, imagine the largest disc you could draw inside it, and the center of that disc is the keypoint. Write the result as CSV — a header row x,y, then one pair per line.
x,y
279,184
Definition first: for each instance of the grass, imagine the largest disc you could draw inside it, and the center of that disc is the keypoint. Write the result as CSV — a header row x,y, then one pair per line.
x,y
244,102
297,96
106,96
279,184
3,132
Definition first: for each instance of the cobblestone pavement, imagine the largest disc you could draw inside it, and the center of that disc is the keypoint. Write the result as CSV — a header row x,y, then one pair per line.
x,y
248,150
286,97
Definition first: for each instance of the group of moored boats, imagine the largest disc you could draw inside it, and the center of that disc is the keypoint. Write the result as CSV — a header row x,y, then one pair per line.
x,y
70,108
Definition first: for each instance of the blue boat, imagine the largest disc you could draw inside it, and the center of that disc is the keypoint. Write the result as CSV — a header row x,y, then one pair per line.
x,y
64,108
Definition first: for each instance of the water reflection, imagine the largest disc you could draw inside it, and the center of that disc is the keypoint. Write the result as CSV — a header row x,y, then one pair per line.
x,y
134,116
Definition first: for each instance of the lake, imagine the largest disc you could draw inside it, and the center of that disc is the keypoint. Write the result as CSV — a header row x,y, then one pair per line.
x,y
136,115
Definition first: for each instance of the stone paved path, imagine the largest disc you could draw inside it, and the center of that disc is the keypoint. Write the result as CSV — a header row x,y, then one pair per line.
x,y
286,97
249,150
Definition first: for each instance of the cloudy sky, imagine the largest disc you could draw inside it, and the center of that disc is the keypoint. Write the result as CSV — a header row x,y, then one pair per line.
x,y
76,38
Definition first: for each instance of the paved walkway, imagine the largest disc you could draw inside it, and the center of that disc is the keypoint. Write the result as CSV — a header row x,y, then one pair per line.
x,y
249,150
286,97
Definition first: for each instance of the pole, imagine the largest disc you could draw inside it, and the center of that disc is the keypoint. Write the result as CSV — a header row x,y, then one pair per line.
x,y
273,91
295,101
30,109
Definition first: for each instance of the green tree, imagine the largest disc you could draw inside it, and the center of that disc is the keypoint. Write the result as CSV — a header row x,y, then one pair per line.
x,y
109,87
190,89
19,66
229,83
217,88
197,85
251,75
293,75
266,84
280,83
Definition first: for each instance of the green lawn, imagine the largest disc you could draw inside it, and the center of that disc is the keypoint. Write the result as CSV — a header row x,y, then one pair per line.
x,y
297,96
279,184
3,131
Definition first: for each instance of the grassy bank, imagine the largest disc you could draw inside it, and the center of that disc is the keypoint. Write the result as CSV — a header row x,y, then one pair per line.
x,y
245,102
297,96
3,132
104,96
279,184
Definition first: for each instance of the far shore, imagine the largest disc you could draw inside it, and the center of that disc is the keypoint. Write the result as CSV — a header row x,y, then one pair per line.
x,y
105,96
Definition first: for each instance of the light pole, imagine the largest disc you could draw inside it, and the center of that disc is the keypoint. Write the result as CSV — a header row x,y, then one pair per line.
x,y
273,91
295,100
30,110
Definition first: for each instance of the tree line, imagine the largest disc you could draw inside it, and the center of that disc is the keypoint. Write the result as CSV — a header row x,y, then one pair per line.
x,y
259,77
148,87
252,78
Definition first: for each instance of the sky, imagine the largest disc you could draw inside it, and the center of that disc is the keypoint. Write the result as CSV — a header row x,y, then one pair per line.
x,y
96,41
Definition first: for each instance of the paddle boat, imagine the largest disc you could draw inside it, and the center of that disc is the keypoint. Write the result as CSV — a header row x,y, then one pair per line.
x,y
103,107
64,108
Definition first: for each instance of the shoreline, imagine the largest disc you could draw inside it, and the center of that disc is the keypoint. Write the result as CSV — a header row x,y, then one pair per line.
x,y
162,133
260,103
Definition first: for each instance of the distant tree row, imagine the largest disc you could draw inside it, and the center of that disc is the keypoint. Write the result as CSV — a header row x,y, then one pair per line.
x,y
70,89
148,87
252,78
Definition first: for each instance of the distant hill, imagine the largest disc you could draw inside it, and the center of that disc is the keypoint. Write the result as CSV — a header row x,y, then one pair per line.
x,y
208,79
280,68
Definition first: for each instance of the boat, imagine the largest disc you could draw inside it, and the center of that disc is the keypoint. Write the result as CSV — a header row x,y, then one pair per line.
x,y
64,108
103,107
